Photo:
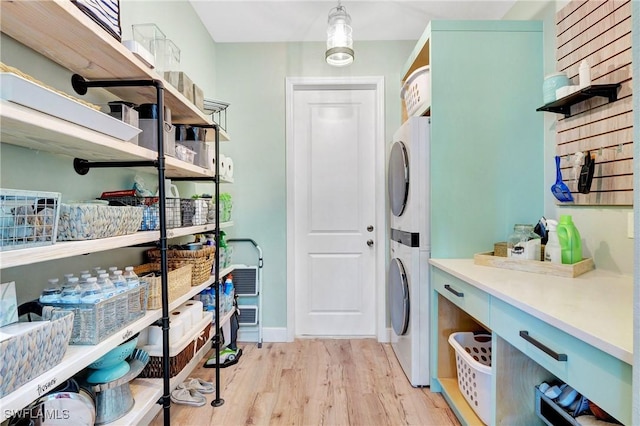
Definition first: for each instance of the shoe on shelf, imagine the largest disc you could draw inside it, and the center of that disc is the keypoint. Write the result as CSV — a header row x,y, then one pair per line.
x,y
567,396
543,387
554,391
197,384
188,397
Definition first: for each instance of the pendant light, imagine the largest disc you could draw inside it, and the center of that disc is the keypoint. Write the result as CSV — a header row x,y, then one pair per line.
x,y
339,39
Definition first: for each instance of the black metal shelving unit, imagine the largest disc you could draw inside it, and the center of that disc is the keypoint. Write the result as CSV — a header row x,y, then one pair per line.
x,y
82,167
563,105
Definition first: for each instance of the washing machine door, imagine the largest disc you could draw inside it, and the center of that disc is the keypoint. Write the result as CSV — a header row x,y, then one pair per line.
x,y
398,297
398,179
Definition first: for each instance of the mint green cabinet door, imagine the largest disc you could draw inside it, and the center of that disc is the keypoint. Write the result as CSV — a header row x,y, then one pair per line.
x,y
600,377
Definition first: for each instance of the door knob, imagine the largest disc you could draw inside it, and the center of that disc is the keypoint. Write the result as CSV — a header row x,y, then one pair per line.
x,y
370,228
370,243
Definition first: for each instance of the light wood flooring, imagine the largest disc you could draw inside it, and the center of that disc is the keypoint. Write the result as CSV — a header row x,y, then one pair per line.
x,y
315,382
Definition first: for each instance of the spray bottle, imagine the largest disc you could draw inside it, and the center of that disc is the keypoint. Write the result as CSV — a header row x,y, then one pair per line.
x,y
552,250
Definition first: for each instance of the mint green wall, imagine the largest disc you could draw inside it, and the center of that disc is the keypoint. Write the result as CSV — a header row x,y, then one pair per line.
x,y
179,22
251,76
603,229
27,169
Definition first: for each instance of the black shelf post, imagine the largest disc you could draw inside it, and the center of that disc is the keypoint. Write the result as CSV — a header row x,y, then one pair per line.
x,y
80,85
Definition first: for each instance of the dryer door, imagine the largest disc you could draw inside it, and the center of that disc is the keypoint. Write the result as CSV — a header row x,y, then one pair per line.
x,y
398,179
398,297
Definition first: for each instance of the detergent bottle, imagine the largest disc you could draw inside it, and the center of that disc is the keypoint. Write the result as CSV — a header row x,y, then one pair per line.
x,y
569,238
552,250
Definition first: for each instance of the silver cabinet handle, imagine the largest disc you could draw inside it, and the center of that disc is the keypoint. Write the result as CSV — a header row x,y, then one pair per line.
x,y
558,357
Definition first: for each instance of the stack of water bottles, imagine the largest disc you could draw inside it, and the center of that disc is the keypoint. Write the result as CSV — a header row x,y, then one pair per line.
x,y
225,290
103,301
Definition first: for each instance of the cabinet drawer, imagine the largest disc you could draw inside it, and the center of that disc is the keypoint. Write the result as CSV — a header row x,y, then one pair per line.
x,y
602,378
473,301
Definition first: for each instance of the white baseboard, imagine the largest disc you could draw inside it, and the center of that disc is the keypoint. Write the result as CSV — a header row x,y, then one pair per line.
x,y
269,334
279,334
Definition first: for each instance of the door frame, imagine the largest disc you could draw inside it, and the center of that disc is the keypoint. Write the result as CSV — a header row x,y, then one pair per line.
x,y
375,83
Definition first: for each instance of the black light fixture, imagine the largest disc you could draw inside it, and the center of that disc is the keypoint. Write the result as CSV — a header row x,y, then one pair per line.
x,y
339,37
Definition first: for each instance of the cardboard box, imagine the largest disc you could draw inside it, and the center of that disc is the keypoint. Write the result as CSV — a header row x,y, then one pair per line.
x,y
8,304
180,81
198,97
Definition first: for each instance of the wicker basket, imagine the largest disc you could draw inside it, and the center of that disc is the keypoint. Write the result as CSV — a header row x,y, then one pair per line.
x,y
26,356
179,283
201,260
153,369
92,220
204,337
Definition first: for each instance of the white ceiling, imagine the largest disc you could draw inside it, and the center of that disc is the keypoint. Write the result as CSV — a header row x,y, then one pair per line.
x,y
306,20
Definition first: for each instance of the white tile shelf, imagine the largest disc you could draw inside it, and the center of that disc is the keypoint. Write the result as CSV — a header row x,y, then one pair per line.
x,y
82,46
79,356
65,249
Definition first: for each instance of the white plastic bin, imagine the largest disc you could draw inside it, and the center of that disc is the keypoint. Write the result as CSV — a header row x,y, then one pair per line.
x,y
416,91
473,363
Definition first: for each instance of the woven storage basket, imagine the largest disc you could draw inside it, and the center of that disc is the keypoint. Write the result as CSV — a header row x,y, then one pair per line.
x,y
201,261
204,337
179,283
153,369
26,356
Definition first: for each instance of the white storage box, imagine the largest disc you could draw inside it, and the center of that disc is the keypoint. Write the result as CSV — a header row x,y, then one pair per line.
x,y
416,91
473,363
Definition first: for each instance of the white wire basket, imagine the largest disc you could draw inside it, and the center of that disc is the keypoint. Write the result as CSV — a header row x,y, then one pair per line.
x,y
28,218
473,363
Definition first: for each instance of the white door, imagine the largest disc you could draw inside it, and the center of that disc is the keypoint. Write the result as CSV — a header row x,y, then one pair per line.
x,y
333,132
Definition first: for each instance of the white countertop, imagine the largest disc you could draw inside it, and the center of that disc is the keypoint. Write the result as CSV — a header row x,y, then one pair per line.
x,y
596,307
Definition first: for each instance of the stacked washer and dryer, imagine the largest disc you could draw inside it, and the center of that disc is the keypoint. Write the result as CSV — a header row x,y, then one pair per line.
x,y
408,275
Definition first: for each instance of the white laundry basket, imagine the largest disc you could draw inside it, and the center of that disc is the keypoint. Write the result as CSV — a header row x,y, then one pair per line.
x,y
473,363
416,91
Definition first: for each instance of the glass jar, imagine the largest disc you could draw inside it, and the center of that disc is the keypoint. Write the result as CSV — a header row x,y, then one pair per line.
x,y
523,243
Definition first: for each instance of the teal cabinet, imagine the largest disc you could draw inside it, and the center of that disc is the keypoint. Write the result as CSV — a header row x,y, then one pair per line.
x,y
597,375
487,139
532,343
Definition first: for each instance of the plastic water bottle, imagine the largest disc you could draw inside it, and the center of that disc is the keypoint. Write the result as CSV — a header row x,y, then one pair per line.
x,y
71,291
51,294
91,291
130,276
569,238
83,278
119,281
107,287
67,277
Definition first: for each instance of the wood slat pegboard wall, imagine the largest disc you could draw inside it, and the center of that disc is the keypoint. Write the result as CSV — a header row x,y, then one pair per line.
x,y
600,32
